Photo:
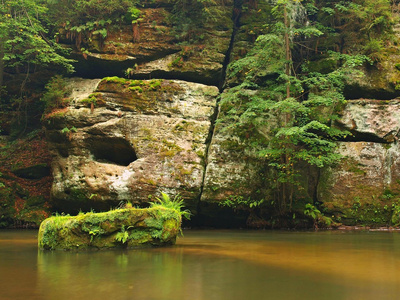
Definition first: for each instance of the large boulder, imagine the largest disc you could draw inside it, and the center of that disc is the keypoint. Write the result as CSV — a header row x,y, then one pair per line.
x,y
128,140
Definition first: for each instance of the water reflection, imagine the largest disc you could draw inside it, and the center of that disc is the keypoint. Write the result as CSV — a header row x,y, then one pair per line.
x,y
210,265
120,275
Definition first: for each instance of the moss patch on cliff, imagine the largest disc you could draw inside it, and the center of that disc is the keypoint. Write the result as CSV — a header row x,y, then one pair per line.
x,y
120,228
349,195
139,95
369,211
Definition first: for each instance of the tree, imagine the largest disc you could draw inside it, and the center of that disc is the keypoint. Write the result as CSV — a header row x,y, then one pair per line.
x,y
282,109
23,40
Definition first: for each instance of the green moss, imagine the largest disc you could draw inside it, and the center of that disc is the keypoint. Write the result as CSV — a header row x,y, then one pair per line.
x,y
136,89
200,153
136,82
155,84
94,99
139,95
356,170
118,228
362,210
154,223
169,148
323,66
116,79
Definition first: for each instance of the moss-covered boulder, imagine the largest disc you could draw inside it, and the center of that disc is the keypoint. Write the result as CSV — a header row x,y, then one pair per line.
x,y
120,228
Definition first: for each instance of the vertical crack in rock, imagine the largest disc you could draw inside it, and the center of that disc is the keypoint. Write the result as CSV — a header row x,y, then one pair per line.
x,y
236,13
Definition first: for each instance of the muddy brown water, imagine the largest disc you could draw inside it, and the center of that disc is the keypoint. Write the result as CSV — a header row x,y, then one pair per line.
x,y
206,265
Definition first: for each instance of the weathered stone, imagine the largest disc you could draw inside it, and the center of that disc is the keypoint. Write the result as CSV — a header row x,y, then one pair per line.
x,y
366,169
33,172
372,150
378,82
144,137
232,170
372,120
158,48
360,189
120,228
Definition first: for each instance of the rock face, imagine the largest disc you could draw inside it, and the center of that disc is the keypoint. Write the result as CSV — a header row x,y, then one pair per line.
x,y
128,140
123,140
231,171
159,46
364,185
372,120
121,228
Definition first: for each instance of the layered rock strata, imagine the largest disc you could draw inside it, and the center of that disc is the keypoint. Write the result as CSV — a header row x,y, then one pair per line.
x,y
128,140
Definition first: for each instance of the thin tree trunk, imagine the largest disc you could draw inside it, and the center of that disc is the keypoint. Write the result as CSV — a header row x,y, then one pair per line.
x,y
1,63
285,185
287,49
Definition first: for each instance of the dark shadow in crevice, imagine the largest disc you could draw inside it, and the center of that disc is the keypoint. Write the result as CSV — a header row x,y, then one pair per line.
x,y
355,91
111,150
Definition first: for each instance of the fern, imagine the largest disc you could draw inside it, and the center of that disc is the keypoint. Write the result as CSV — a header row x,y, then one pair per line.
x,y
176,204
122,236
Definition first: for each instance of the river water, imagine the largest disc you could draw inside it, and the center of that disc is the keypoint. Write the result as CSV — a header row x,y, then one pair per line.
x,y
207,265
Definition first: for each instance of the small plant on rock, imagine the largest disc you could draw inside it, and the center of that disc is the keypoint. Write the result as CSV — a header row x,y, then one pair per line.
x,y
56,94
176,204
122,236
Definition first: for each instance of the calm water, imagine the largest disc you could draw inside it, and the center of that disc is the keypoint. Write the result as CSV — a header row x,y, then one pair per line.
x,y
206,265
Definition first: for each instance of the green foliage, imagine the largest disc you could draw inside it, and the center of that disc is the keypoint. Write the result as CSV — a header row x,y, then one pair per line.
x,y
282,111
175,204
25,45
67,130
357,26
311,211
1,184
122,236
90,13
56,94
134,15
190,17
301,131
317,216
241,203
127,227
84,20
395,219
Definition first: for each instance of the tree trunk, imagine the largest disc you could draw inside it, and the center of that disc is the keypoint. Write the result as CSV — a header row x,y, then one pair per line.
x,y
286,193
1,64
287,49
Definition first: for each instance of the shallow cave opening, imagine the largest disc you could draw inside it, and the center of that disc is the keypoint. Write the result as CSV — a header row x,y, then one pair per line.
x,y
111,150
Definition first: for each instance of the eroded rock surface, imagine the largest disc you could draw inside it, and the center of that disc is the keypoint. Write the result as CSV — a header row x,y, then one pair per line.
x,y
131,139
372,120
158,46
363,185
